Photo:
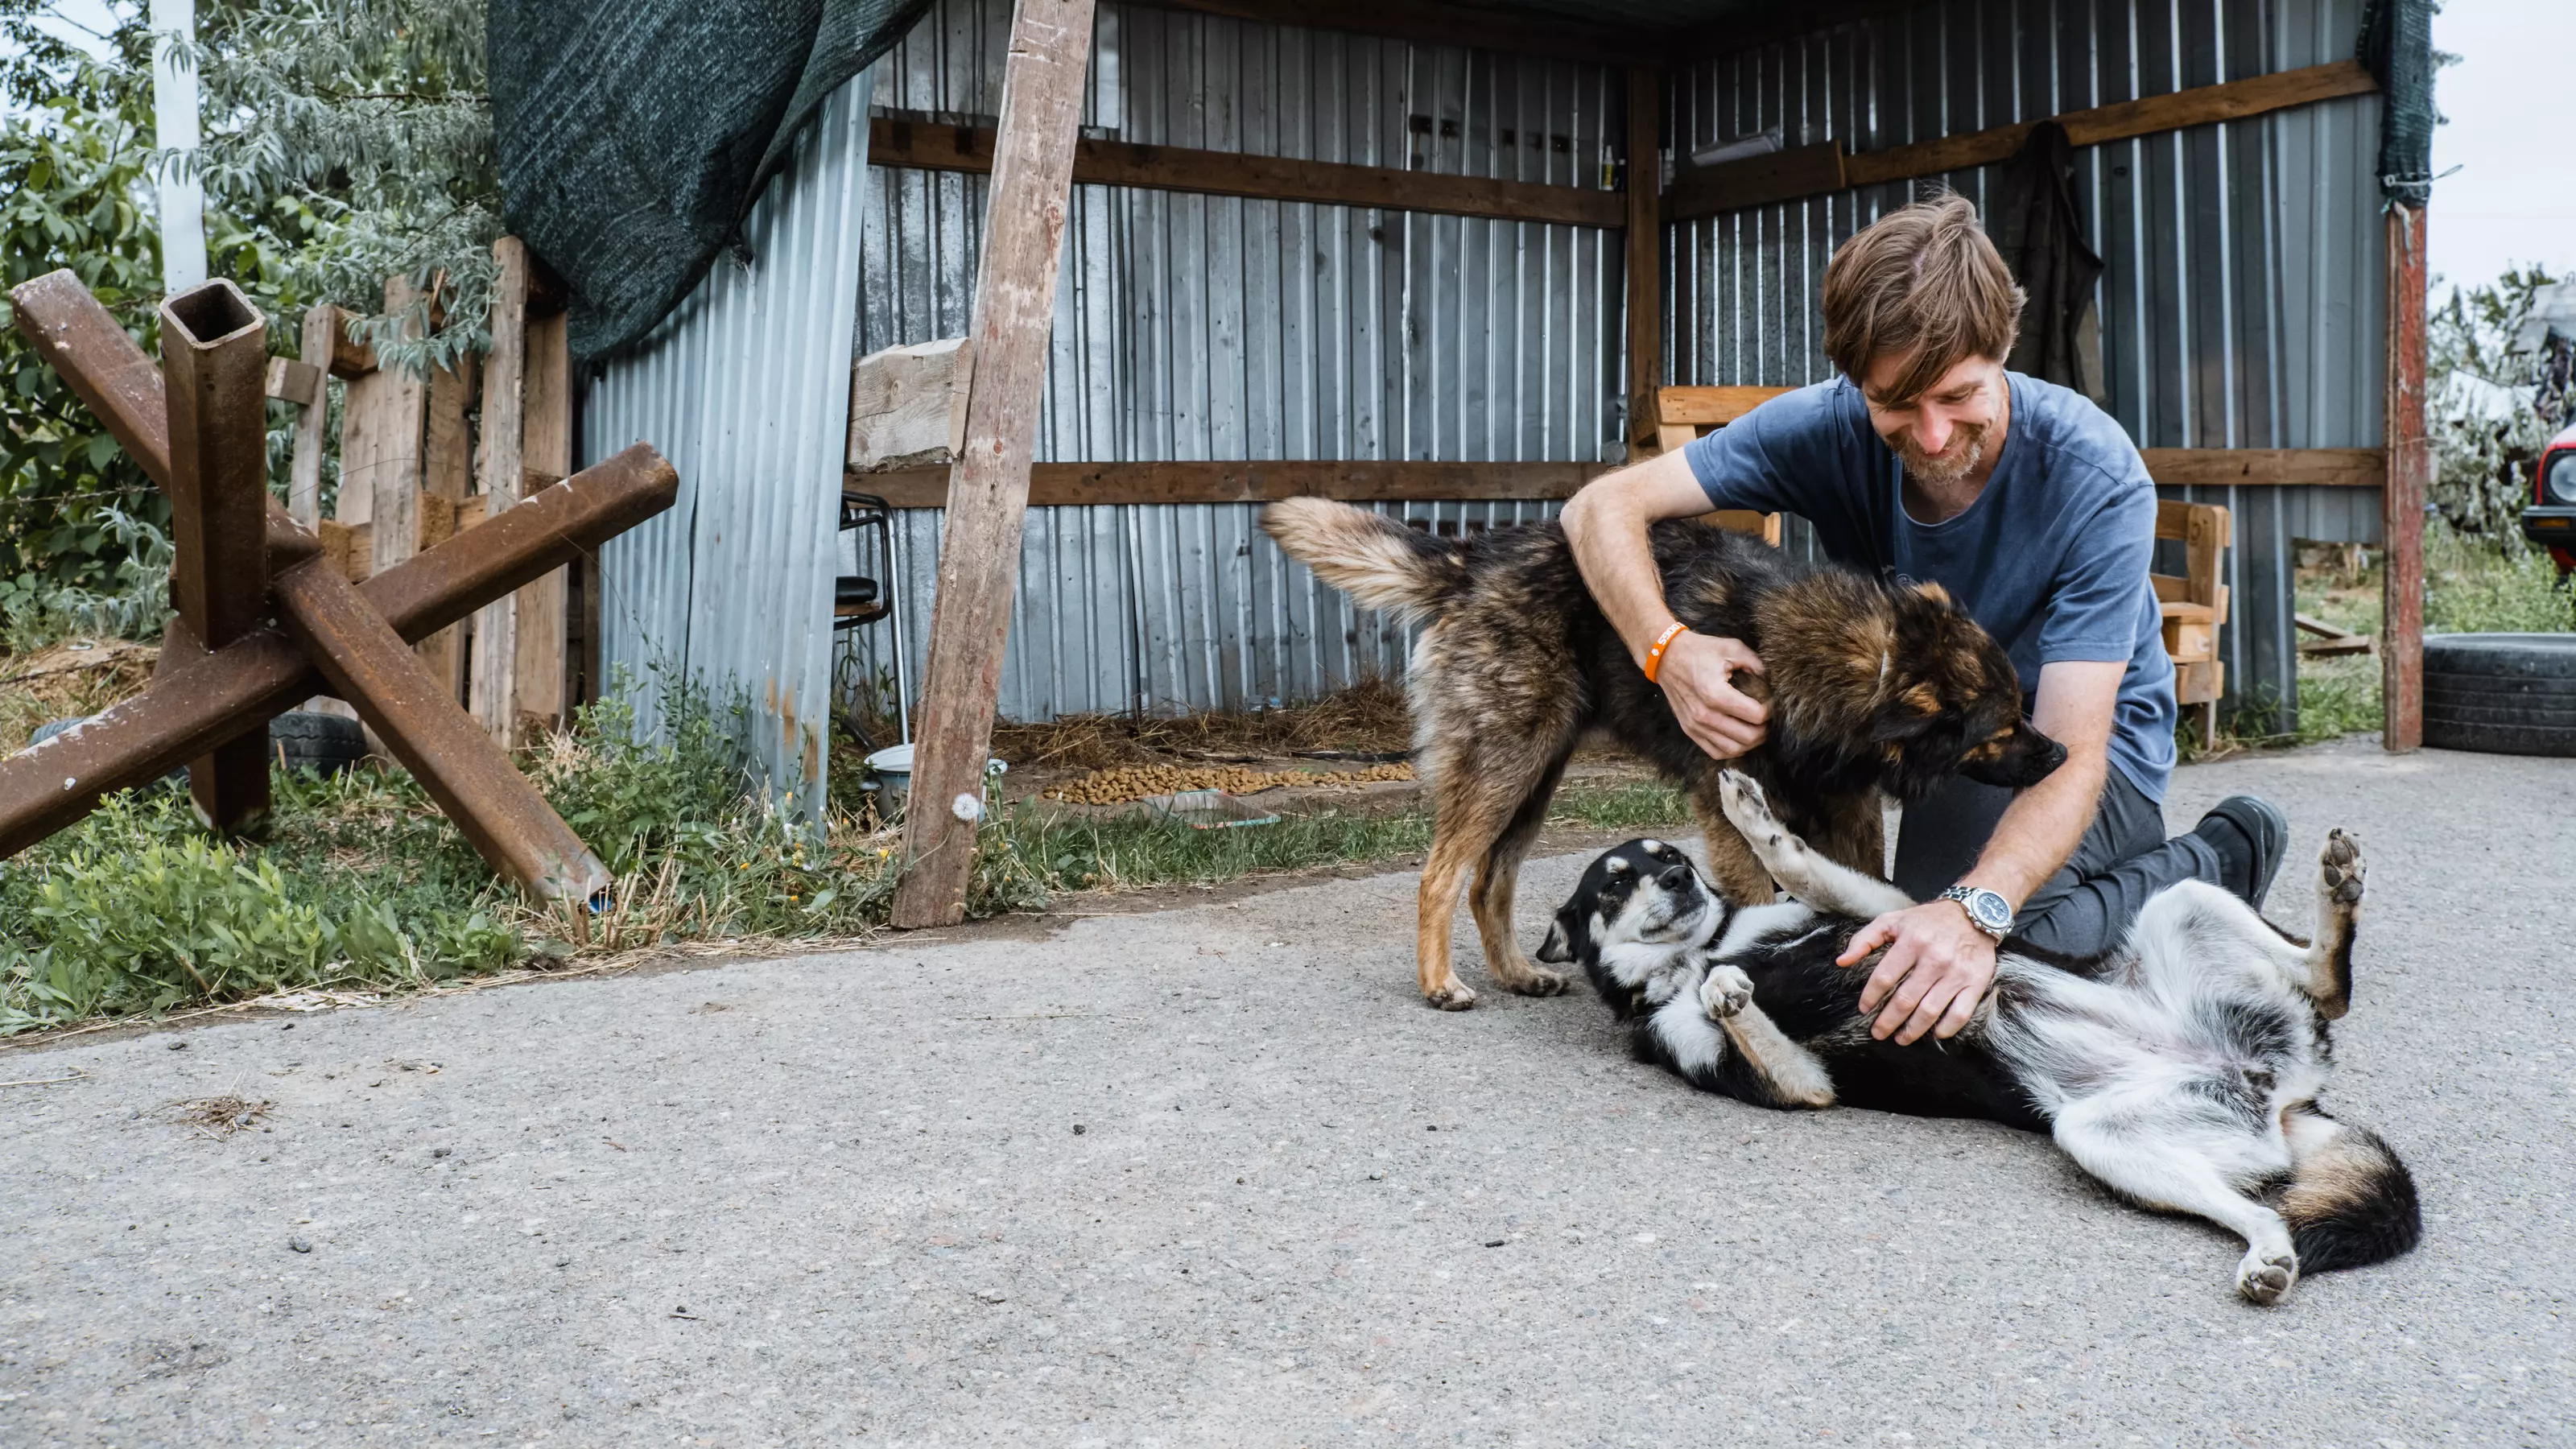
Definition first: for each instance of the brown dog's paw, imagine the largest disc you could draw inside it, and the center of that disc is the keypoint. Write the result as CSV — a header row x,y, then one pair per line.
x,y
1456,996
1534,981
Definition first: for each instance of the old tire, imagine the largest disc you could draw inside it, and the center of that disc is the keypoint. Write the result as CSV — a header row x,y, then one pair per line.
x,y
2501,694
326,744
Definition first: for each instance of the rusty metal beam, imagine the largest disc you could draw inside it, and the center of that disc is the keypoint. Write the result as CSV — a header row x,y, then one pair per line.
x,y
199,700
215,351
356,640
470,777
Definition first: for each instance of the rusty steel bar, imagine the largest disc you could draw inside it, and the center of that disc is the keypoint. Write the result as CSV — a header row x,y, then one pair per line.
x,y
104,369
198,700
215,363
469,775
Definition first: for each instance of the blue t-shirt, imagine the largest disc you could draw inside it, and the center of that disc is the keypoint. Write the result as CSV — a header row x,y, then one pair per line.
x,y
2051,559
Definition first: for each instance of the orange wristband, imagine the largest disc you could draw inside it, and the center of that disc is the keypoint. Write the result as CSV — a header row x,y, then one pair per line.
x,y
1655,655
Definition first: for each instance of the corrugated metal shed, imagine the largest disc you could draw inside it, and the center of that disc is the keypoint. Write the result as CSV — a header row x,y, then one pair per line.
x,y
2240,300
1198,327
745,388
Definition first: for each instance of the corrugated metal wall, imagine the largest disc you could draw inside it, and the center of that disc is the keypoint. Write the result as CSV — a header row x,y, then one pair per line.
x,y
745,388
2241,296
1197,327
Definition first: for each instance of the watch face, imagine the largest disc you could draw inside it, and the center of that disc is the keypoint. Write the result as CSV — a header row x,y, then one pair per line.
x,y
1990,910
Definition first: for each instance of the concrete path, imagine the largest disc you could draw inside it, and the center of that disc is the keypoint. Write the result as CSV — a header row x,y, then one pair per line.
x,y
1213,1176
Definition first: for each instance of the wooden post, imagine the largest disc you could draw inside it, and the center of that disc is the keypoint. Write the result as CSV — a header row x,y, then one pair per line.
x,y
2410,471
304,485
496,630
546,459
1645,253
988,487
446,469
214,354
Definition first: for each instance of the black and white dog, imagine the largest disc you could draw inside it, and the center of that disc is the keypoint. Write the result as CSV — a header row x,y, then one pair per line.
x,y
2181,1070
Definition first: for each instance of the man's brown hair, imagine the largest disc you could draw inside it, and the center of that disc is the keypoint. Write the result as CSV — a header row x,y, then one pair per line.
x,y
1922,279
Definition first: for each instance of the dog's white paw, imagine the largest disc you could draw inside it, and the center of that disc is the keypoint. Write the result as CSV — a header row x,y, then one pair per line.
x,y
2340,869
2265,1280
1726,991
1456,996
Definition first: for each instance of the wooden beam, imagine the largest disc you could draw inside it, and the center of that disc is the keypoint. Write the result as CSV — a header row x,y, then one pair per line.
x,y
295,382
304,468
2410,472
1810,171
546,447
1645,251
936,147
1711,407
494,686
1433,23
2258,467
1059,485
343,358
988,489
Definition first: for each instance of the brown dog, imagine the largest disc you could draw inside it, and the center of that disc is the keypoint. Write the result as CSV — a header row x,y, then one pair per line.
x,y
1873,687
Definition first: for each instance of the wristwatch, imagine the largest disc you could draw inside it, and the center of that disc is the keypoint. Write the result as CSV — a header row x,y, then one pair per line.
x,y
1987,911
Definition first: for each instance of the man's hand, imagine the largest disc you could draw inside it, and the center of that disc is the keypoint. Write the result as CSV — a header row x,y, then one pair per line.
x,y
1697,676
1938,966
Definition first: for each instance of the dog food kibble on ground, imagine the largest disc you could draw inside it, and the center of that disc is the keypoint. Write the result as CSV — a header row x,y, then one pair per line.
x,y
1137,782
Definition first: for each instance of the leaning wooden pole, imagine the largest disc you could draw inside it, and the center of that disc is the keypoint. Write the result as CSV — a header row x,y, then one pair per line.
x,y
988,488
2410,474
1645,252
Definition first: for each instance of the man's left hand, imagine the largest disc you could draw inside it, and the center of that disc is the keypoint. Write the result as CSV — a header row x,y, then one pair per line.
x,y
1937,968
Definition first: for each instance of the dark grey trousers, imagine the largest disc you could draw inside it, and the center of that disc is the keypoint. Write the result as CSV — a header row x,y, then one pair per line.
x,y
2084,908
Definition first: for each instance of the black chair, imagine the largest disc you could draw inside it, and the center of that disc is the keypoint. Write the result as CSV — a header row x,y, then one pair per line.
x,y
857,600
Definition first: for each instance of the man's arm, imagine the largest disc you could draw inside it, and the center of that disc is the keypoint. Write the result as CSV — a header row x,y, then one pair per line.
x,y
1938,964
1607,523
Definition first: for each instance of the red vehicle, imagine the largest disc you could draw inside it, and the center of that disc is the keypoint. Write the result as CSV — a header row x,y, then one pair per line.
x,y
2551,520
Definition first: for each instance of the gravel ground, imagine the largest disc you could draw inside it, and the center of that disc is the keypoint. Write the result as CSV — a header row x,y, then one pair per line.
x,y
1213,1176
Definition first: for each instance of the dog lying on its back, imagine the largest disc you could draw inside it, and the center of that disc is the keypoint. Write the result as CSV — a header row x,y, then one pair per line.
x,y
2182,1070
1872,687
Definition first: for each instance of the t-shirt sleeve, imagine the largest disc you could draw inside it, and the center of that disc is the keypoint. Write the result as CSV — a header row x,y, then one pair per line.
x,y
2094,610
1747,463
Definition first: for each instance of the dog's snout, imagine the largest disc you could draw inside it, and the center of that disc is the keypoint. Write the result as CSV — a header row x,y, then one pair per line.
x,y
1674,877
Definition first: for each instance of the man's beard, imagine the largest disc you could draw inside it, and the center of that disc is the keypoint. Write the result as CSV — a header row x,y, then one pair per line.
x,y
1966,450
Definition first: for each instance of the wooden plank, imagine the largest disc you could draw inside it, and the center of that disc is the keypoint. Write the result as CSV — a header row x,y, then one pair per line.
x,y
1758,181
493,689
1645,252
304,467
295,382
988,489
939,147
446,471
2410,472
1711,407
2277,467
1433,23
342,356
391,473
908,406
1053,485
1810,171
546,447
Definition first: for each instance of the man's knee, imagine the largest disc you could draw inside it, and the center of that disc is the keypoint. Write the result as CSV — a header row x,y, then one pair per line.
x,y
2078,923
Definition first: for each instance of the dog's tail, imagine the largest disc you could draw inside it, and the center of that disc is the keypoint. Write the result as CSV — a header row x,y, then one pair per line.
x,y
2350,1202
1379,562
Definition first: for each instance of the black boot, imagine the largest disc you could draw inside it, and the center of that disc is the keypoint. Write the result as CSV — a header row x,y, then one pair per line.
x,y
2248,836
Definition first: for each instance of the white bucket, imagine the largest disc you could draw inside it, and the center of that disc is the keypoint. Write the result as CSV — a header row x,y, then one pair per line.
x,y
891,772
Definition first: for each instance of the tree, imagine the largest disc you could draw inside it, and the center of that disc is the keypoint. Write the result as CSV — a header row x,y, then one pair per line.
x,y
2491,416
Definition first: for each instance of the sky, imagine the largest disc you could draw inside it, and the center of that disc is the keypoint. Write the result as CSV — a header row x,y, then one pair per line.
x,y
2511,133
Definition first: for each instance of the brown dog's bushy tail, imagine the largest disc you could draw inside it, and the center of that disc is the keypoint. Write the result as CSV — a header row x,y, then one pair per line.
x,y
1379,562
2350,1201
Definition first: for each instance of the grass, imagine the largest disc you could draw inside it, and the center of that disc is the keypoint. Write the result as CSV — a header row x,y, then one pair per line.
x,y
2469,587
360,884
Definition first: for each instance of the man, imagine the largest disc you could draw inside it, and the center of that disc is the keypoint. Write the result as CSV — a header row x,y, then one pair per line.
x,y
1927,461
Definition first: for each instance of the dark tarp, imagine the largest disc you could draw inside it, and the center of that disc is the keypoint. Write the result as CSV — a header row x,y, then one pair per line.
x,y
2041,235
2397,45
633,135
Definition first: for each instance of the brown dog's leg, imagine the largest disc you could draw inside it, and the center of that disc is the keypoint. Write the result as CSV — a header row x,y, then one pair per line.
x,y
1851,831
1732,866
1490,898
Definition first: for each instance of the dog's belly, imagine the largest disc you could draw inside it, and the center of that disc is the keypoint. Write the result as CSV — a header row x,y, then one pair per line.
x,y
1817,1004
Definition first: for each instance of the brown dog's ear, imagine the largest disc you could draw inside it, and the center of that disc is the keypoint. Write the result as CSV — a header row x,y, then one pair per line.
x,y
1934,592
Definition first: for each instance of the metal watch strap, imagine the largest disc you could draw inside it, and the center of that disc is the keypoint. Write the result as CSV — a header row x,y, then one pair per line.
x,y
1962,894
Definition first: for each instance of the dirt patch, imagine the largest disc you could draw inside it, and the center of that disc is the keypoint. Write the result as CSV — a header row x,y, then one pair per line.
x,y
219,1117
1367,719
70,680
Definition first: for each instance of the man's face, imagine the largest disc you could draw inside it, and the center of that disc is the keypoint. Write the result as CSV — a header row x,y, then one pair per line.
x,y
1940,435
